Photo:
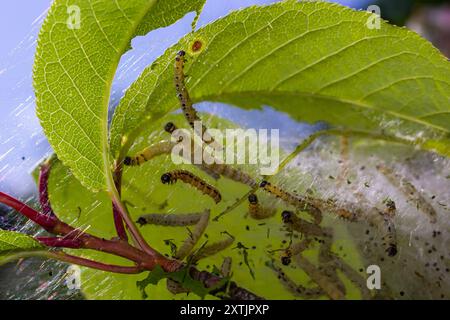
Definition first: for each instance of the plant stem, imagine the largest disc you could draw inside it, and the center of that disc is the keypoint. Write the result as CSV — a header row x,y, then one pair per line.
x,y
118,221
60,242
61,256
44,173
46,222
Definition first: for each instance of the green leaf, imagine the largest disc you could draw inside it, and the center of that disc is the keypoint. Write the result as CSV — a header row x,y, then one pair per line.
x,y
14,245
312,60
74,68
167,12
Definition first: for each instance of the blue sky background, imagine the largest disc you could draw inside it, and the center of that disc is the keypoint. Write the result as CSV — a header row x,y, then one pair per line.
x,y
22,143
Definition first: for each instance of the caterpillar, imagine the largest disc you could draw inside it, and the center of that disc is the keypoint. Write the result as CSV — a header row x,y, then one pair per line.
x,y
213,248
232,173
193,180
344,210
171,220
218,169
294,249
300,203
193,238
183,95
295,289
327,263
307,228
386,226
391,208
354,277
225,268
410,191
330,288
162,147
256,211
382,220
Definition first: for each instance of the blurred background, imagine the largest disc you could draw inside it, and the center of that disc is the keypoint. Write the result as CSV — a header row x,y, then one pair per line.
x,y
22,143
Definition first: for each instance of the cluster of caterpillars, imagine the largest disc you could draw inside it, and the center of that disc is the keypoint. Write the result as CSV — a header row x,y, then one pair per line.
x,y
325,276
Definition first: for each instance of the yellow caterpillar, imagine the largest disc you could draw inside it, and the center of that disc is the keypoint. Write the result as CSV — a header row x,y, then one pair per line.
x,y
219,169
183,95
299,202
157,149
302,226
193,180
256,211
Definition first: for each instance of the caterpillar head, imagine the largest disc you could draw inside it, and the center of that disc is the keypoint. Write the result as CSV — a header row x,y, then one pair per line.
x,y
127,161
170,127
286,258
180,53
391,251
253,199
263,183
141,221
166,178
286,216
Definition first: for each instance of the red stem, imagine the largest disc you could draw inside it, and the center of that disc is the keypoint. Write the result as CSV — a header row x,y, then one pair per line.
x,y
44,174
118,220
60,242
46,222
94,264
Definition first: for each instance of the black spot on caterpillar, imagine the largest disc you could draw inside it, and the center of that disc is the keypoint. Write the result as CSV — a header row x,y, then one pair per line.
x,y
292,287
296,223
212,249
256,211
183,95
171,220
157,149
193,180
193,238
299,202
409,190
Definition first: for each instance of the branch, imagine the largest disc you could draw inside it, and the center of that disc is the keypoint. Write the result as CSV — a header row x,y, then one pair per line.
x,y
118,221
44,173
46,222
60,242
61,256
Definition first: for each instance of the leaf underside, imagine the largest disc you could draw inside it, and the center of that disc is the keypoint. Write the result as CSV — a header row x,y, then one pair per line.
x,y
312,60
